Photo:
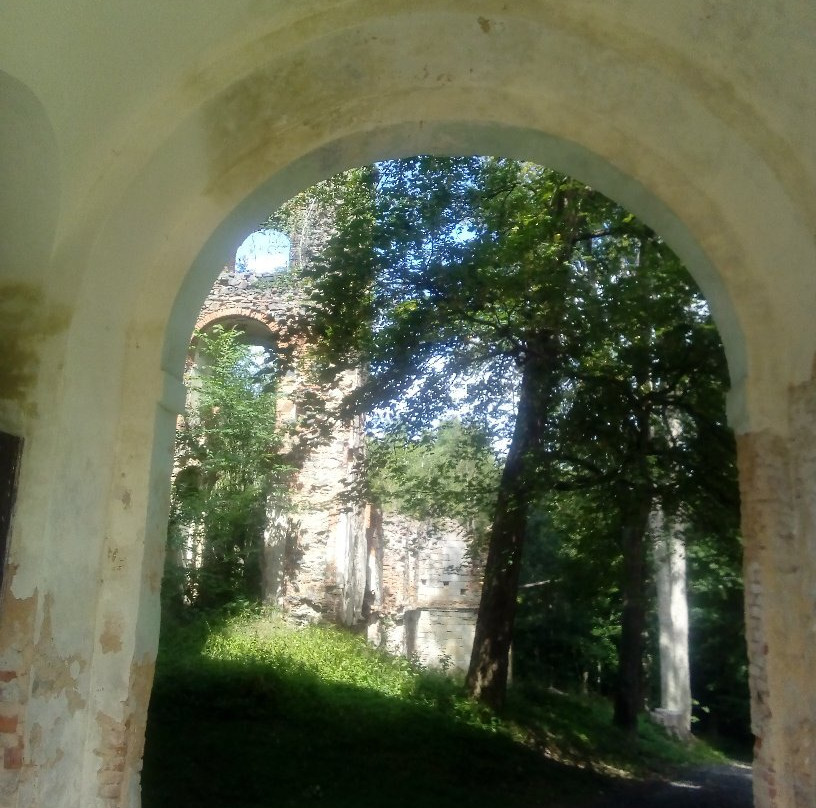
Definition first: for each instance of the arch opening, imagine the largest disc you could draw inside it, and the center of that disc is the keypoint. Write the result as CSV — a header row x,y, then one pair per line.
x,y
445,139
128,175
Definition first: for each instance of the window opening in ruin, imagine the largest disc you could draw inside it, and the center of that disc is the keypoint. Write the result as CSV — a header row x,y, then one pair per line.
x,y
263,252
225,464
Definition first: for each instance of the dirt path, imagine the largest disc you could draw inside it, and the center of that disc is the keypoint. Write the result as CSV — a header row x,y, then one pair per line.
x,y
710,787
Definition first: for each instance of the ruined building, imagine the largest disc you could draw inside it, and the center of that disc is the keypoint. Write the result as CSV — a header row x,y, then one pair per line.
x,y
409,584
141,142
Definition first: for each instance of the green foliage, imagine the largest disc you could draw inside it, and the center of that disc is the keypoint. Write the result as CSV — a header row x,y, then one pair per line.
x,y
536,294
247,712
228,468
447,472
342,305
719,664
577,726
569,612
569,618
285,282
445,275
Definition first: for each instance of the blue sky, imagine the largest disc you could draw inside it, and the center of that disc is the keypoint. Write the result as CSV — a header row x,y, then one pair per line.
x,y
264,252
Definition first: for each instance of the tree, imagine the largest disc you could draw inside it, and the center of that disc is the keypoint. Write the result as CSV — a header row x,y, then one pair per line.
x,y
443,273
568,624
447,472
718,659
521,284
644,419
228,468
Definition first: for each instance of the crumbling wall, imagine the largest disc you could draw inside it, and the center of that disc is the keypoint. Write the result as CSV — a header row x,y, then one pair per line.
x,y
327,542
443,637
430,591
328,556
315,548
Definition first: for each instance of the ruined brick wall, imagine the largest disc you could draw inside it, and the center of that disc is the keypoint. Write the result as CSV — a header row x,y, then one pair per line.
x,y
430,591
330,559
315,553
326,558
241,296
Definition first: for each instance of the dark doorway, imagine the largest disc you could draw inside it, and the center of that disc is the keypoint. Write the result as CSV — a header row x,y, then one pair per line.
x,y
11,447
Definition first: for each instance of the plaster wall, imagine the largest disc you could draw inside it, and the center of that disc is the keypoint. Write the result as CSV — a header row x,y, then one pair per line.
x,y
443,637
140,142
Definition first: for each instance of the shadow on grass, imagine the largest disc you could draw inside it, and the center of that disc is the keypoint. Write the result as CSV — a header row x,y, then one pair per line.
x,y
581,728
238,735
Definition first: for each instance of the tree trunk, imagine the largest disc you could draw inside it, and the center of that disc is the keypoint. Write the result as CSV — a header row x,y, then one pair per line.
x,y
669,554
635,495
489,661
629,695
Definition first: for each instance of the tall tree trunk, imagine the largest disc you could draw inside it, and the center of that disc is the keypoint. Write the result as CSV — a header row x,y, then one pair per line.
x,y
489,661
629,695
669,552
635,495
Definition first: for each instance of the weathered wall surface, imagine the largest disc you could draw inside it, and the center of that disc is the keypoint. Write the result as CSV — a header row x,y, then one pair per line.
x,y
442,637
328,561
778,485
316,553
330,558
430,591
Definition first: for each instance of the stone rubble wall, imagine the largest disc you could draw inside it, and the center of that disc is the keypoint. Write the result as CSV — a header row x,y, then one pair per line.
x,y
327,557
236,297
430,591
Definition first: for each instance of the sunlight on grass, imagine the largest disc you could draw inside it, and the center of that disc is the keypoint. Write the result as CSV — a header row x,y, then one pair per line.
x,y
291,715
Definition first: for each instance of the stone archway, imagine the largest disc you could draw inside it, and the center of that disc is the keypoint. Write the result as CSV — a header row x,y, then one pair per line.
x,y
673,112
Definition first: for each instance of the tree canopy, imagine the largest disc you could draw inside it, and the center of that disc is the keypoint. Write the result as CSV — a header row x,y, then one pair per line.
x,y
531,304
448,472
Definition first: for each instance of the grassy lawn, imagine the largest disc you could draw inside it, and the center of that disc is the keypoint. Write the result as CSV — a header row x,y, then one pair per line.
x,y
247,712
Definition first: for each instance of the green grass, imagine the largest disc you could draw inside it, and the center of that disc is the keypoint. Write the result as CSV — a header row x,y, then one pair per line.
x,y
248,713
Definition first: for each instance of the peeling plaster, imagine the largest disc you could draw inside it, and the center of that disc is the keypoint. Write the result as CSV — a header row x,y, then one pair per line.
x,y
777,482
18,616
121,741
115,556
111,637
112,749
53,674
